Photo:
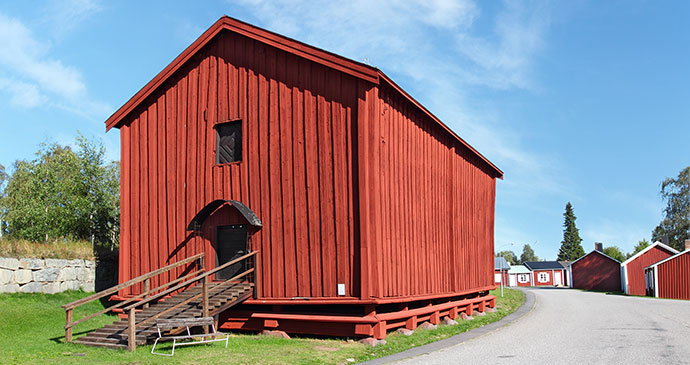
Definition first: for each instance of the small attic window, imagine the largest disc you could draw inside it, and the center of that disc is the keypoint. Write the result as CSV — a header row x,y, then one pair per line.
x,y
229,142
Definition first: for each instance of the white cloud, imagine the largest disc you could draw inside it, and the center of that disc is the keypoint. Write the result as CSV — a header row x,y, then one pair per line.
x,y
505,62
33,78
63,16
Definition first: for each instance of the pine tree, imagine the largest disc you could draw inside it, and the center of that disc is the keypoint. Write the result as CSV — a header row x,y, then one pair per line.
x,y
571,247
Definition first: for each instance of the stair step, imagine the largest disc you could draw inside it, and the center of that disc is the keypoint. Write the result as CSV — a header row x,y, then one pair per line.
x,y
115,335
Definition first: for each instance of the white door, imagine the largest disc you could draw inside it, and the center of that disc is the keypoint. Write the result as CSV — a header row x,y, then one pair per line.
x,y
557,278
512,281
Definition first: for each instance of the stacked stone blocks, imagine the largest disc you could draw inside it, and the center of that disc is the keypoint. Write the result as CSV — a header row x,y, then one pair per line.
x,y
47,276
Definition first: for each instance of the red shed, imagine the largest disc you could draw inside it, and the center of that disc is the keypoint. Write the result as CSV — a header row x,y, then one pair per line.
x,y
368,212
596,271
632,269
670,278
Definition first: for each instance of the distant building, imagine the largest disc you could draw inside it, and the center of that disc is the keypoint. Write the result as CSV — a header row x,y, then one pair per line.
x,y
546,273
669,278
501,267
519,275
632,269
596,271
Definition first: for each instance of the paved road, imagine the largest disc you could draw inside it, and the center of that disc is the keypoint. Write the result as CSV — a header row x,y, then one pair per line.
x,y
575,327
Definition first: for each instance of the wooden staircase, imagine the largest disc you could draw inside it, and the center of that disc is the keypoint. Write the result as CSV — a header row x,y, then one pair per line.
x,y
224,296
192,295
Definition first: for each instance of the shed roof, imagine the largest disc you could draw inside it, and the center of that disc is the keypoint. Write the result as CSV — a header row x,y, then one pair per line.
x,y
500,263
328,59
518,269
672,250
543,265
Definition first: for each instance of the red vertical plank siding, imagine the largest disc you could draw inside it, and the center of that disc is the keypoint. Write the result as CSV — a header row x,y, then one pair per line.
x,y
635,269
595,271
674,277
416,189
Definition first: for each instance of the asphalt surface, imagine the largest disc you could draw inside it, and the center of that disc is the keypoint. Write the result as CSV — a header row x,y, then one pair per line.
x,y
574,327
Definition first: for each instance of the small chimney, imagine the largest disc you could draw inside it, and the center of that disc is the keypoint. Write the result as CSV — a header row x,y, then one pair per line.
x,y
599,246
664,240
687,245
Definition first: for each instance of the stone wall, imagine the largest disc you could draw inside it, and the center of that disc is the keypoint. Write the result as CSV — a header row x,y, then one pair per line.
x,y
48,276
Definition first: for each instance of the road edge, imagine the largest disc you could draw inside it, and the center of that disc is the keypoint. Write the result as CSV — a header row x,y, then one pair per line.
x,y
524,309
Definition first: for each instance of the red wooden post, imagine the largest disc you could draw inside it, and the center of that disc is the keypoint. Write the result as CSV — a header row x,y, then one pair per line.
x,y
435,318
453,313
131,331
469,309
482,306
68,326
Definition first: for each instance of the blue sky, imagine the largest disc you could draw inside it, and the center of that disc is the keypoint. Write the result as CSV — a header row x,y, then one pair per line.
x,y
581,101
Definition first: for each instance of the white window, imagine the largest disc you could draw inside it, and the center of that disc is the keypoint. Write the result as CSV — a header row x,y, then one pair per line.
x,y
543,277
497,278
523,278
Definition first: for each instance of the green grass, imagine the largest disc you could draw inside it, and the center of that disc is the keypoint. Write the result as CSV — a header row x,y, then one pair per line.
x,y
31,331
46,250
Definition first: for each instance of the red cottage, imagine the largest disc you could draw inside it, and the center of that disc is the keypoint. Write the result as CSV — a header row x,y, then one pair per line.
x,y
546,273
670,278
632,269
366,211
596,271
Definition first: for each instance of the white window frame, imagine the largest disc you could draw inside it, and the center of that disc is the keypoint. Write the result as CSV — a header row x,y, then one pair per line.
x,y
543,277
523,278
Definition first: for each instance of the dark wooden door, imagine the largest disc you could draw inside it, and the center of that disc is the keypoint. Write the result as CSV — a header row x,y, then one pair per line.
x,y
231,243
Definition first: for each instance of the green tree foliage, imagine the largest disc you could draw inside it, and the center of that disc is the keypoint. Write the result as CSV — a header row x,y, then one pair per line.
x,y
676,222
615,253
528,254
63,194
639,247
3,179
571,246
509,256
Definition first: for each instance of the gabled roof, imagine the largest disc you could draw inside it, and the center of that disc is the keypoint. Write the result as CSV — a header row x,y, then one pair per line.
x,y
543,265
500,263
671,250
667,259
328,59
519,269
594,251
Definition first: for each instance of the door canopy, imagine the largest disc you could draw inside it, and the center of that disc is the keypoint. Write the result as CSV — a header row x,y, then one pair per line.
x,y
211,207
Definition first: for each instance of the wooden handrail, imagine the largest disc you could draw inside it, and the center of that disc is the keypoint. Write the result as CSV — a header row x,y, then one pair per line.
x,y
193,298
128,283
190,281
69,323
118,305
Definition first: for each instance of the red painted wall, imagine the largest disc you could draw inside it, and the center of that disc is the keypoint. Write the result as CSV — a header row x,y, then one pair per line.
x,y
354,183
596,272
674,277
635,269
552,275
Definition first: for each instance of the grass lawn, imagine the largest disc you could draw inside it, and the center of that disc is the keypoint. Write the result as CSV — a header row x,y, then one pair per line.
x,y
31,331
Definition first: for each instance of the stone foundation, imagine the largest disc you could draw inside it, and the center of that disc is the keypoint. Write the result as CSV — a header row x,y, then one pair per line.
x,y
47,276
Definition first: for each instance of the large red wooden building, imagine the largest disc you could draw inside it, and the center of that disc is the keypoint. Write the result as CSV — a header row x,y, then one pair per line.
x,y
369,213
596,271
632,269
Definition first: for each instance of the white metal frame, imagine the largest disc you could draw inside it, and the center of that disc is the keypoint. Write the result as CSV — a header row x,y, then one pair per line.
x,y
189,336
